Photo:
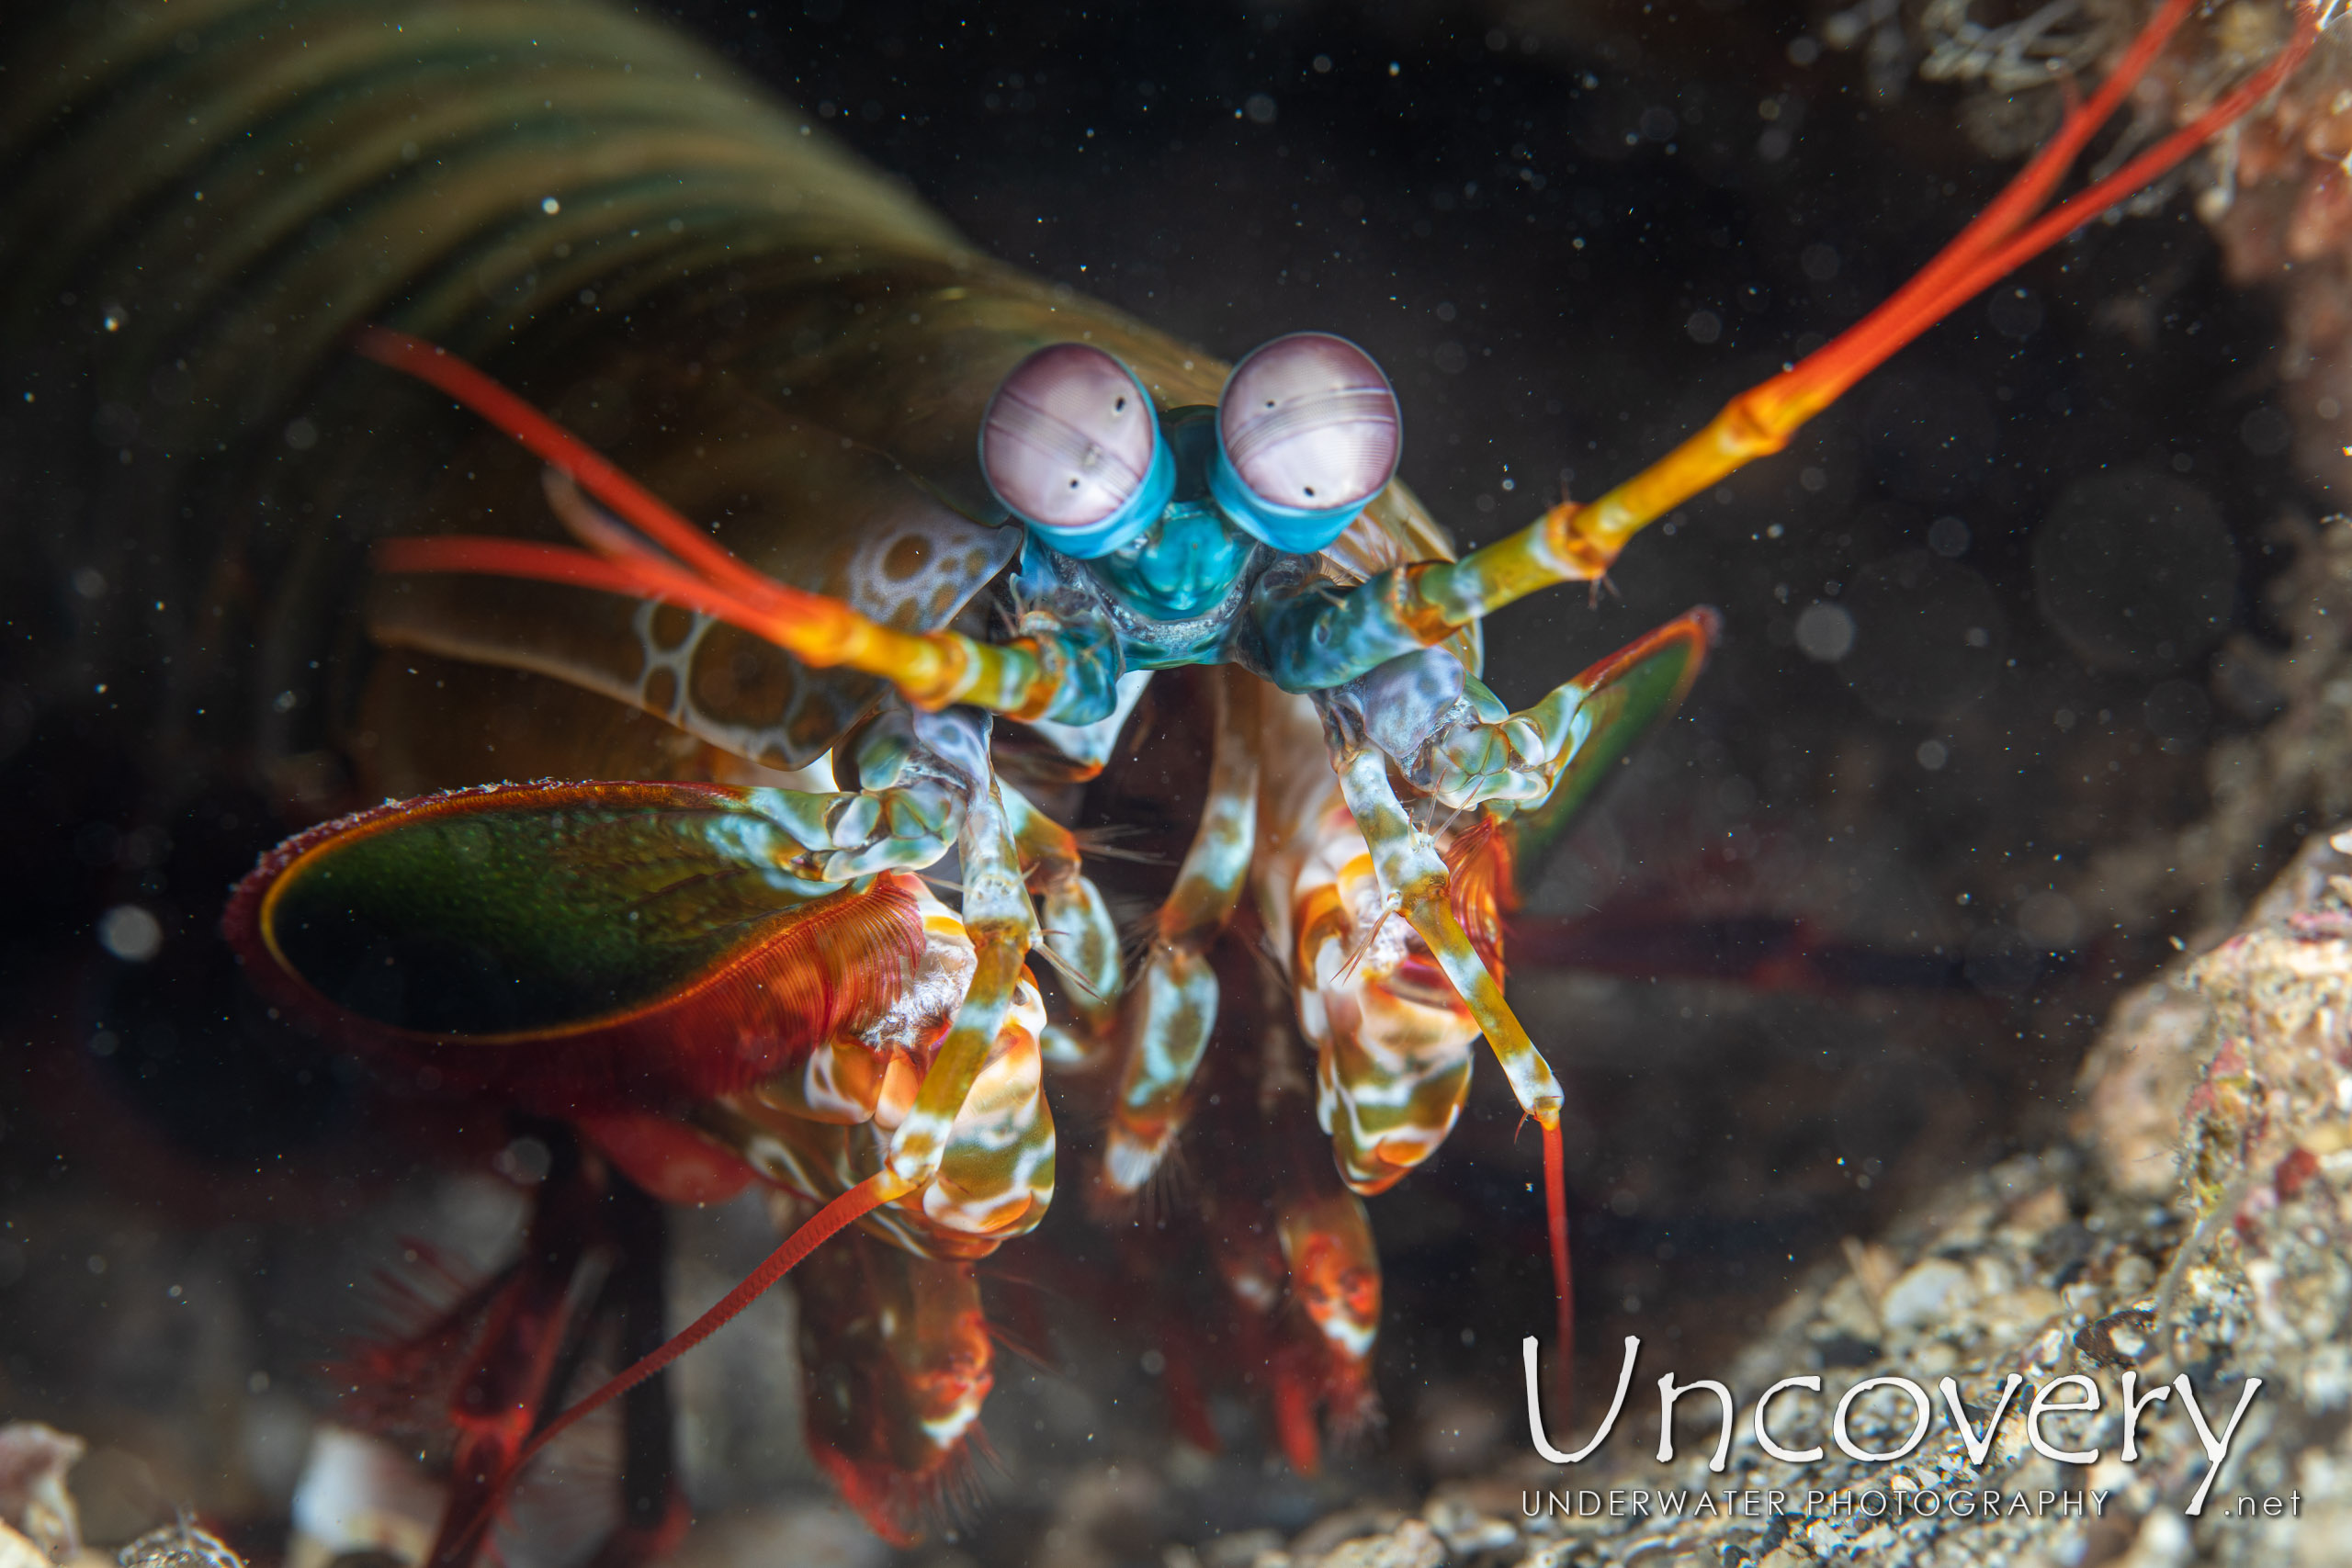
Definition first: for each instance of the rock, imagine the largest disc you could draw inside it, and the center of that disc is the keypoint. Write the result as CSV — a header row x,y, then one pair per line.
x,y
1466,1531
357,1495
1243,1548
18,1551
2135,1079
34,1459
1329,1533
1410,1545
823,1534
1936,1289
178,1546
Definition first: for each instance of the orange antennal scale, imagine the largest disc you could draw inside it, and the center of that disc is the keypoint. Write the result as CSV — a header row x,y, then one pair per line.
x,y
932,670
438,368
2087,203
1973,263
522,558
1571,542
1934,292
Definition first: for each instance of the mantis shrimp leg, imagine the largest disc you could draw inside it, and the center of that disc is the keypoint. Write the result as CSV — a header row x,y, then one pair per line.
x,y
1392,1040
1391,1055
1293,1247
1413,878
896,1361
1454,742
535,1325
999,917
970,1141
1391,1069
1175,1002
1075,926
1327,1244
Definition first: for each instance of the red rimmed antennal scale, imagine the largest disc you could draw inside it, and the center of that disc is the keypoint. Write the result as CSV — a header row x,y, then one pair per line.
x,y
602,955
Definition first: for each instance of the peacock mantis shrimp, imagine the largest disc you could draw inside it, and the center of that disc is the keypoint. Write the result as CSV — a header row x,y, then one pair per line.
x,y
758,626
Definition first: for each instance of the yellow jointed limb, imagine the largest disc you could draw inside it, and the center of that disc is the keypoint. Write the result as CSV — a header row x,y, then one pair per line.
x,y
1576,543
1414,878
1076,928
997,918
996,1175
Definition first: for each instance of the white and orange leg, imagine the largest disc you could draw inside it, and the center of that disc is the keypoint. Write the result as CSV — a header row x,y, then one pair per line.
x,y
1391,1039
896,1361
1172,1005
1455,743
1075,929
1414,884
1334,1265
822,1127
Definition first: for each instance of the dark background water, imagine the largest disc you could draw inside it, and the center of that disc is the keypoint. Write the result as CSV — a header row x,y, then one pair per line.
x,y
1569,233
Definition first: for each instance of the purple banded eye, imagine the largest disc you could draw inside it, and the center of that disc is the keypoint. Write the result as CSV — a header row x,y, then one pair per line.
x,y
1308,421
1067,439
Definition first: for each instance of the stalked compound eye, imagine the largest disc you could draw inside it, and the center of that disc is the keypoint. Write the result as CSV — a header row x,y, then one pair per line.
x,y
1307,433
1070,443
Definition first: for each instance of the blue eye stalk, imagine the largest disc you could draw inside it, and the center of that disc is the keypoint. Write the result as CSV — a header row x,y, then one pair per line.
x,y
1185,563
1307,431
1294,530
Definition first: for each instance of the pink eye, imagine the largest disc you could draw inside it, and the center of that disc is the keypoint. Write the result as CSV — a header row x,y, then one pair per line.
x,y
1068,440
1308,423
